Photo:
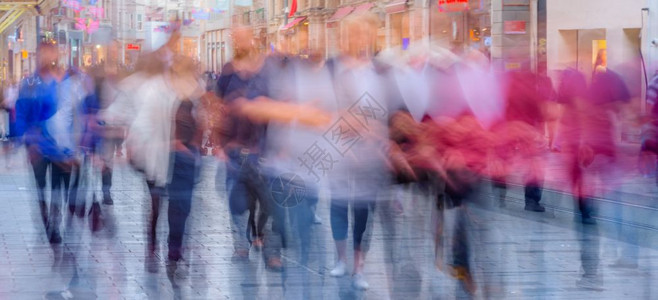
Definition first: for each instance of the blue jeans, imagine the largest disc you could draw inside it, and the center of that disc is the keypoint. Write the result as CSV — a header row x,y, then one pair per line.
x,y
247,188
180,199
300,218
60,182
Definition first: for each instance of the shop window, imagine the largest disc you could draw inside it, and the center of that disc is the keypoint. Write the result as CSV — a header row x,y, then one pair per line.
x,y
399,28
260,15
246,19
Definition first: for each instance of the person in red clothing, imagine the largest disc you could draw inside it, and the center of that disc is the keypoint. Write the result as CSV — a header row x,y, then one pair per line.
x,y
527,96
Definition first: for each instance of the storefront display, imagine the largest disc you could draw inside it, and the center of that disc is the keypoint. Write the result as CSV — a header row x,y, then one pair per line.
x,y
462,24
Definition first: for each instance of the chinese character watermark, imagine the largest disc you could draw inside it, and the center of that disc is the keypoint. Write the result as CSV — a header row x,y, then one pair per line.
x,y
288,190
366,110
342,136
316,158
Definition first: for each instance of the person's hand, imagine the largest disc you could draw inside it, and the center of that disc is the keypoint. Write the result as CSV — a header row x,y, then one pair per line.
x,y
585,155
312,117
181,148
399,163
220,154
68,164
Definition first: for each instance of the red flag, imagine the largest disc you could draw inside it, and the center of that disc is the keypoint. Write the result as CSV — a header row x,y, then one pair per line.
x,y
293,8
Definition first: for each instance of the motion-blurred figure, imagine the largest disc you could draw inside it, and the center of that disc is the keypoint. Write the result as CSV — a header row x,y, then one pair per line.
x,y
186,144
241,140
45,121
107,90
649,148
359,135
527,97
147,106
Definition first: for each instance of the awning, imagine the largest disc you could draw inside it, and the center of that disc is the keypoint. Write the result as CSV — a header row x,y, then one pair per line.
x,y
292,23
363,8
341,13
396,6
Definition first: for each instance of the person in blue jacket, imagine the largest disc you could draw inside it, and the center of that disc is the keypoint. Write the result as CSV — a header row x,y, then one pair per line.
x,y
45,127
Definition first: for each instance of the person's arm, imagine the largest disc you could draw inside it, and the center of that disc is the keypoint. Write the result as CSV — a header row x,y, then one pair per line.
x,y
260,108
23,106
264,109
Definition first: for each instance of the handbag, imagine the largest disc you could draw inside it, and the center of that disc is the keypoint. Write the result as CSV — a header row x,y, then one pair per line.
x,y
91,180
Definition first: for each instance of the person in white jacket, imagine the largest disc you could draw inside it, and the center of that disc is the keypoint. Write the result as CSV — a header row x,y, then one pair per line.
x,y
145,106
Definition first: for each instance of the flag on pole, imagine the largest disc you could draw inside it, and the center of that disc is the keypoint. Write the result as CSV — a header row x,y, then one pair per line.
x,y
293,9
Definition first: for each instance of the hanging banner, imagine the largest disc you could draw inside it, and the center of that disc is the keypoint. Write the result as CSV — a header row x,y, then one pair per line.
x,y
221,5
244,2
452,5
514,27
87,17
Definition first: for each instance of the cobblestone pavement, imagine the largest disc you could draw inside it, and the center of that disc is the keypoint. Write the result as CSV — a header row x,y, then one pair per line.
x,y
517,254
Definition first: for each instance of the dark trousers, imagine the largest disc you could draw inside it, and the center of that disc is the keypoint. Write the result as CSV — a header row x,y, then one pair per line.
x,y
339,220
155,192
60,179
298,211
180,200
109,148
73,189
248,191
532,189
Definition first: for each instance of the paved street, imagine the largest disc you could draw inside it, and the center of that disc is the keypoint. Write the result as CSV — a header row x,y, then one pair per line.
x,y
516,254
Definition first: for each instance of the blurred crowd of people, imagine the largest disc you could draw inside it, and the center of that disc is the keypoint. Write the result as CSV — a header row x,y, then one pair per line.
x,y
286,127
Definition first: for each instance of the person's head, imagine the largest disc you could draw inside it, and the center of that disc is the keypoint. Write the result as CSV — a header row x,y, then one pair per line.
x,y
572,85
243,41
361,31
316,56
150,64
48,58
184,77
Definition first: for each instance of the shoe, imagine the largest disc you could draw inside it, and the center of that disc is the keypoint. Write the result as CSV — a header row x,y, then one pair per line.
x,y
274,264
95,217
625,264
59,295
55,238
316,219
339,269
107,199
178,268
257,243
590,282
359,282
500,195
82,208
171,267
43,208
588,221
464,276
151,263
183,269
536,207
240,255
